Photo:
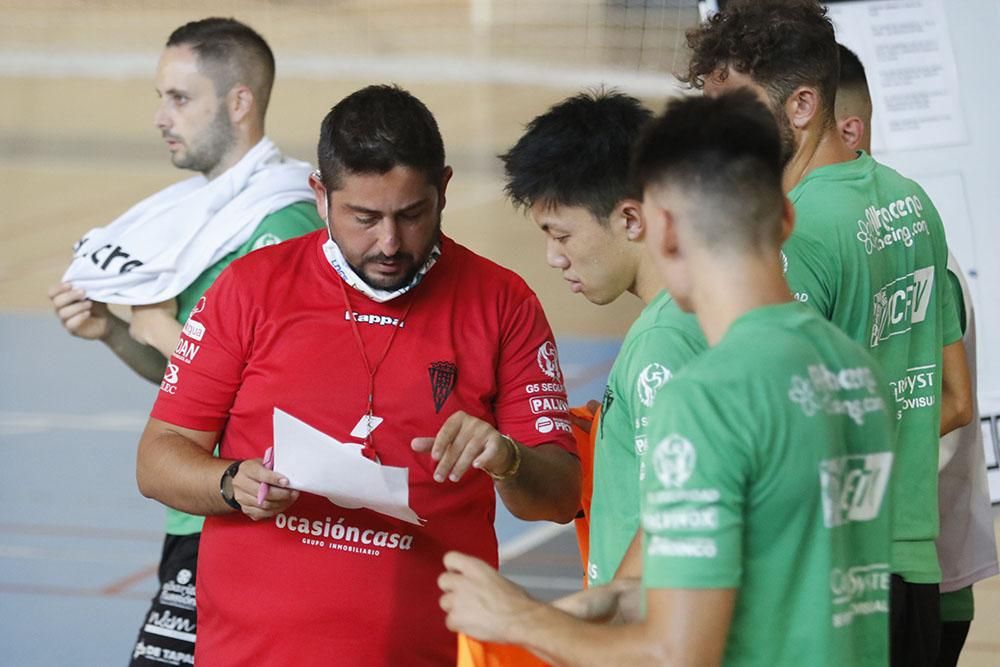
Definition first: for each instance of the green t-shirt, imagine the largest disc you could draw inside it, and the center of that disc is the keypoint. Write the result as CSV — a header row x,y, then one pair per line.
x,y
289,222
768,468
869,253
662,340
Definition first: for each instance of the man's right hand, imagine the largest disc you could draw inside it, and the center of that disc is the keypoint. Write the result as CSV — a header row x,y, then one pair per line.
x,y
82,317
246,486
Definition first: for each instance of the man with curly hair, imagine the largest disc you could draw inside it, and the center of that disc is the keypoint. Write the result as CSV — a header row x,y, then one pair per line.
x,y
869,253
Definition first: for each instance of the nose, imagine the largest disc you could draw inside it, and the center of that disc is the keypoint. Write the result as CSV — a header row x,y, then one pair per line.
x,y
161,119
389,241
554,255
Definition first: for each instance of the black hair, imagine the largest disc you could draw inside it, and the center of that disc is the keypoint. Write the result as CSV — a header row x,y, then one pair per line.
x,y
852,72
577,154
230,52
375,129
725,154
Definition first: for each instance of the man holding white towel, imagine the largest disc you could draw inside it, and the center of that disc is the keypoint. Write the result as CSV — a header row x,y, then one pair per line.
x,y
214,80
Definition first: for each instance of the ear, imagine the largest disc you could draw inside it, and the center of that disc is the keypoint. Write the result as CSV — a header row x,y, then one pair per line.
x,y
443,187
241,103
319,191
666,246
671,246
802,106
629,211
787,220
852,131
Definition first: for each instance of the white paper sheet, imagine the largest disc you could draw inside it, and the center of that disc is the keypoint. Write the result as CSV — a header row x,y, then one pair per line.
x,y
911,70
314,462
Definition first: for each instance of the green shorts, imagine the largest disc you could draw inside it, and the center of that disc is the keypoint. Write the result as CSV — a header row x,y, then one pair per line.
x,y
957,605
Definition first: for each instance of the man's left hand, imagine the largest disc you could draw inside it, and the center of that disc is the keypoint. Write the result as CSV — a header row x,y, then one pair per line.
x,y
477,600
465,441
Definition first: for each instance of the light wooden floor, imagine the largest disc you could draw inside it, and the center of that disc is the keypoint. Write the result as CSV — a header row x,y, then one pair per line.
x,y
77,144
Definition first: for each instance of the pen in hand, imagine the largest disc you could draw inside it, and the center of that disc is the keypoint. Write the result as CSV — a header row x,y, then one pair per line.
x,y
269,464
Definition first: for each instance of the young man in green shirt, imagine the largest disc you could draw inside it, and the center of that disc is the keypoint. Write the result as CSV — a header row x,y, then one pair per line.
x,y
765,506
966,545
214,80
570,172
869,254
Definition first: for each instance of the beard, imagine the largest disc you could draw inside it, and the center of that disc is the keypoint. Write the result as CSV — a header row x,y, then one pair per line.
x,y
785,134
206,150
412,264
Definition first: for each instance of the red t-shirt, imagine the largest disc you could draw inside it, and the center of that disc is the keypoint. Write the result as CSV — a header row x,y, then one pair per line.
x,y
320,584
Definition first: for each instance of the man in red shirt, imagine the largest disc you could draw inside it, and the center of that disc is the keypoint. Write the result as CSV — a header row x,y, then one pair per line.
x,y
379,331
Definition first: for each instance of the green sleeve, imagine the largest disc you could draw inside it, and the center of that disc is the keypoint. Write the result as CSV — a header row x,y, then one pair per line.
x,y
958,298
951,324
283,224
693,493
811,270
652,359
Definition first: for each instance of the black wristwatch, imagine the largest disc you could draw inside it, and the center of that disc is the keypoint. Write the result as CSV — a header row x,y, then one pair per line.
x,y
226,485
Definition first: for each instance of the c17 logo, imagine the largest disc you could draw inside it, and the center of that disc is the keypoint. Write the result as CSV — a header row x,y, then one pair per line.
x,y
901,304
853,487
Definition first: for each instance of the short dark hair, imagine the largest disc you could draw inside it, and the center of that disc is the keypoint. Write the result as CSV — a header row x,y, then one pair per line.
x,y
852,72
577,154
230,52
780,44
726,153
375,129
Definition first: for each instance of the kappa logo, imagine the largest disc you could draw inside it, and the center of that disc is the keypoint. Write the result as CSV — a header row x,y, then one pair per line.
x,y
548,360
650,380
184,576
443,377
674,460
374,320
784,262
198,307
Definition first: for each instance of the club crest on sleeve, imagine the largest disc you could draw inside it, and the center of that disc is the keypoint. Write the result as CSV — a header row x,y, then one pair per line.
x,y
548,360
674,460
650,380
265,240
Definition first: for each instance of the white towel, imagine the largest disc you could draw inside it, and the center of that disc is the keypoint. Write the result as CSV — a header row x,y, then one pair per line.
x,y
162,244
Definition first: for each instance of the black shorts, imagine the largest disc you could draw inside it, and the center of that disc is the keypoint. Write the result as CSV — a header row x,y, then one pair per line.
x,y
915,623
168,633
